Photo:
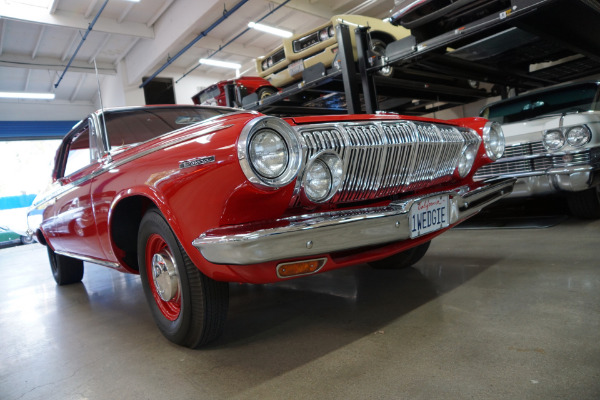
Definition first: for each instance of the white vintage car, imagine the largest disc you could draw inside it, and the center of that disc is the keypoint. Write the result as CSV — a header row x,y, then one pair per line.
x,y
552,144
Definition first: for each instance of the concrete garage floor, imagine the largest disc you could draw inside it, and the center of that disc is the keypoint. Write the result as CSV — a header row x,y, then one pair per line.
x,y
487,314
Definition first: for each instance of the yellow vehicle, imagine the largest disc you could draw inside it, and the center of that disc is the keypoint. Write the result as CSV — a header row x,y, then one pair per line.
x,y
285,64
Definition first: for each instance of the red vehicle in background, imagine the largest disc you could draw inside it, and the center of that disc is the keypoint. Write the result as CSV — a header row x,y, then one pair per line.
x,y
214,95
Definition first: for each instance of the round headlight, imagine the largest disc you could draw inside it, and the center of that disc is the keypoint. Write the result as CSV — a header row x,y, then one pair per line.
x,y
268,153
322,177
323,35
318,181
270,62
578,135
493,140
553,139
265,65
467,158
331,31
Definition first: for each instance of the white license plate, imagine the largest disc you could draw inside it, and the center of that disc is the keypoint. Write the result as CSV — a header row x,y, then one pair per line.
x,y
429,215
296,67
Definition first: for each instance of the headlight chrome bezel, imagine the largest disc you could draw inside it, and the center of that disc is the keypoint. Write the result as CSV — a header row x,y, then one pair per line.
x,y
564,135
493,140
287,134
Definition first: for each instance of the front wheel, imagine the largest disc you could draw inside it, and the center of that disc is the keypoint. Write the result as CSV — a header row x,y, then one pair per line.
x,y
378,47
189,308
585,204
402,260
265,92
65,270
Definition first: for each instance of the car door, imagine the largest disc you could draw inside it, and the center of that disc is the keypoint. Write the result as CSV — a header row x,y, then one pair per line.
x,y
74,229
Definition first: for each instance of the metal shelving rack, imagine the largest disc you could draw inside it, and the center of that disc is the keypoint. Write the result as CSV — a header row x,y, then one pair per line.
x,y
499,50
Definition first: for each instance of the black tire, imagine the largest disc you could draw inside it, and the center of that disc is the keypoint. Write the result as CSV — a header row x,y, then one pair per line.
x,y
402,260
194,308
585,204
265,92
65,270
378,47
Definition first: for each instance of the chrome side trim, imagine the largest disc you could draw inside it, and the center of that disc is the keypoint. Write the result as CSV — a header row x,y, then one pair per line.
x,y
322,233
104,263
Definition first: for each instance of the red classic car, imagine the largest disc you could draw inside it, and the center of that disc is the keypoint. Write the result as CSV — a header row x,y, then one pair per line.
x,y
214,95
194,197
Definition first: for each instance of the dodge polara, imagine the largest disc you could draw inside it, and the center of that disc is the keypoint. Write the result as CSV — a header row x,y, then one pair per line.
x,y
191,198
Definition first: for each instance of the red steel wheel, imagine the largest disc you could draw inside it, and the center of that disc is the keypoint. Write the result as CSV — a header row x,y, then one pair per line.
x,y
163,277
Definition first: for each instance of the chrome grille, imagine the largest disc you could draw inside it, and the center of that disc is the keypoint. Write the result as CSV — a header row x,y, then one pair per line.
x,y
532,165
384,158
524,149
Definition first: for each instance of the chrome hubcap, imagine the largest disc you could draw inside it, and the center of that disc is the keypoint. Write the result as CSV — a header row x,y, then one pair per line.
x,y
164,274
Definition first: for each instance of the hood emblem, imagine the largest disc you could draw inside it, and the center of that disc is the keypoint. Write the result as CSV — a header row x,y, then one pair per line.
x,y
194,162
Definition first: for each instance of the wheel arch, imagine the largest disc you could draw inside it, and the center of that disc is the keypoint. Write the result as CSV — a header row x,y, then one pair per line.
x,y
123,225
387,38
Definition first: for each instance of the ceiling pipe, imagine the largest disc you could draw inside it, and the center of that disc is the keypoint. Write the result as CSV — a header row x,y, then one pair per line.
x,y
234,39
89,29
226,14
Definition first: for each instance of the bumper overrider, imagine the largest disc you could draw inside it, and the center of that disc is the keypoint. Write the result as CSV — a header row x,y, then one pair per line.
x,y
322,233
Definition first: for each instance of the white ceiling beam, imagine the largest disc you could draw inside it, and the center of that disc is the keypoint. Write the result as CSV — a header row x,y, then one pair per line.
x,y
127,50
321,9
77,87
123,15
54,64
38,42
160,12
67,51
191,15
73,20
90,8
99,49
53,6
2,31
27,80
212,44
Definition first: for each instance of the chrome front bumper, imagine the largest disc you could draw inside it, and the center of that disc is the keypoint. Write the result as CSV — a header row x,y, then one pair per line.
x,y
309,235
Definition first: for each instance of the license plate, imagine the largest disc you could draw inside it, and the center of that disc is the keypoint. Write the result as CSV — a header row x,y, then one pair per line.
x,y
296,67
428,215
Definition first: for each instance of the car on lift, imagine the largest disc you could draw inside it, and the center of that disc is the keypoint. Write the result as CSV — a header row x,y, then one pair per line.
x,y
192,198
215,95
429,18
284,65
552,144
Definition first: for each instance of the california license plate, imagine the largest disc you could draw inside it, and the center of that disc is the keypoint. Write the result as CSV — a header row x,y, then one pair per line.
x,y
296,67
429,215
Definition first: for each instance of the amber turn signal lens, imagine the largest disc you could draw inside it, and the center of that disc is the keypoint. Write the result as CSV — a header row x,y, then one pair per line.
x,y
296,268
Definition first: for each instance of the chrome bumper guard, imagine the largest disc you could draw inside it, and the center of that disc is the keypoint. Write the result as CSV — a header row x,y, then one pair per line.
x,y
309,235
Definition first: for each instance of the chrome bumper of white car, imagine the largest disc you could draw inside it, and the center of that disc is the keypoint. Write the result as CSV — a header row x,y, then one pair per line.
x,y
569,179
309,235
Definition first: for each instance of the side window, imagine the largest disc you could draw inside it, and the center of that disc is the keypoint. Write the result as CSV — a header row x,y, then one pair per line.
x,y
78,155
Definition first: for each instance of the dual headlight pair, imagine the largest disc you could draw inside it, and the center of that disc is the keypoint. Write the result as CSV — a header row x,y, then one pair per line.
x,y
576,136
271,157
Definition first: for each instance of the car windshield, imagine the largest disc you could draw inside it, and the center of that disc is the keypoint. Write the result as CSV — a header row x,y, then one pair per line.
x,y
127,127
574,98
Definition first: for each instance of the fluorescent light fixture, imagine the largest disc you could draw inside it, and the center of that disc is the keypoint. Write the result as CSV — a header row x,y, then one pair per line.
x,y
269,29
222,64
27,95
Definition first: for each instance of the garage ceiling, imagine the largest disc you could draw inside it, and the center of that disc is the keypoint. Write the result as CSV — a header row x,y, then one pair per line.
x,y
39,37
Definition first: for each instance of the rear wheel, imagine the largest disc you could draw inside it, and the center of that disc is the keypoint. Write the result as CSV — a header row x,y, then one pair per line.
x,y
585,204
402,260
65,270
188,307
